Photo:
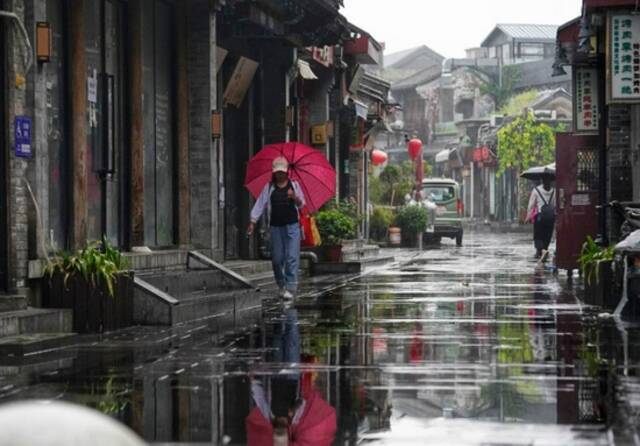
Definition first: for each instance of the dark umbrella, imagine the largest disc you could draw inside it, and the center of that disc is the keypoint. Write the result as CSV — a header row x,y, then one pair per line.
x,y
540,172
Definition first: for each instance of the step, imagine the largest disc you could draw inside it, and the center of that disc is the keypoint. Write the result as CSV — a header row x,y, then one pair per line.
x,y
183,282
247,268
12,303
26,344
356,267
36,320
364,252
223,309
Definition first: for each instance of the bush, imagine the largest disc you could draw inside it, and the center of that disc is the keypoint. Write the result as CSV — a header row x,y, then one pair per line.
x,y
380,221
412,221
335,226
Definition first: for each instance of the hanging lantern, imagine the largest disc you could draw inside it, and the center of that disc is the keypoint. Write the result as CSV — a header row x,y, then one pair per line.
x,y
415,147
378,157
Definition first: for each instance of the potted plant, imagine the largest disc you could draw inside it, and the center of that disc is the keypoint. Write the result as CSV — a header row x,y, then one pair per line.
x,y
95,284
381,220
596,268
412,221
334,227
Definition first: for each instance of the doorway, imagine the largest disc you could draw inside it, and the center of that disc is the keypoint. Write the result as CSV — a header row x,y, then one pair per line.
x,y
159,62
105,149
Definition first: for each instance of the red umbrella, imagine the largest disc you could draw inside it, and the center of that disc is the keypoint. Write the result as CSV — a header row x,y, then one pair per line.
x,y
317,426
307,166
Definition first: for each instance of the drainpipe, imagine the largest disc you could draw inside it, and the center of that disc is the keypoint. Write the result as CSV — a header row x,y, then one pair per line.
x,y
13,16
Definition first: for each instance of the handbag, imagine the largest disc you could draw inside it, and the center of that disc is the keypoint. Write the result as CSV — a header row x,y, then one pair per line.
x,y
309,230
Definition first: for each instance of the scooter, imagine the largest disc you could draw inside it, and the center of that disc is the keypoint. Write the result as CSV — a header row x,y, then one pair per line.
x,y
629,215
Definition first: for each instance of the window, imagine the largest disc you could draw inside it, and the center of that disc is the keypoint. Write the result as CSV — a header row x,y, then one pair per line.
x,y
588,171
440,194
531,49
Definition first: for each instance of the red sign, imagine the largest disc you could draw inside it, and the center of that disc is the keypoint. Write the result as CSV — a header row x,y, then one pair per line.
x,y
477,155
323,56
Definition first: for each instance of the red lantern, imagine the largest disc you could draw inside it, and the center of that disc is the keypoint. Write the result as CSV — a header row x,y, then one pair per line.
x,y
415,148
378,157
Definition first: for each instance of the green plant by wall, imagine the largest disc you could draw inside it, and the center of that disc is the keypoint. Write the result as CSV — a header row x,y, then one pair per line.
x,y
412,221
347,207
335,226
381,219
525,143
590,258
98,263
501,92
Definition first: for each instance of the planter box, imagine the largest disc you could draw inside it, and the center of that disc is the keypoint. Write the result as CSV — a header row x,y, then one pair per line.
x,y
600,289
94,311
332,253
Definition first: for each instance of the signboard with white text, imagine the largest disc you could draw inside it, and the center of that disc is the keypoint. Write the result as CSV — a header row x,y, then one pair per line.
x,y
586,114
624,58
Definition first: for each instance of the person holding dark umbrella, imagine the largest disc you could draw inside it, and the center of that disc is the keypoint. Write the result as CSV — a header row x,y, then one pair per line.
x,y
284,199
542,213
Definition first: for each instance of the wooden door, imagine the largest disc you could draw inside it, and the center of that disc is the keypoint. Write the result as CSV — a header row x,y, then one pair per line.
x,y
159,123
577,178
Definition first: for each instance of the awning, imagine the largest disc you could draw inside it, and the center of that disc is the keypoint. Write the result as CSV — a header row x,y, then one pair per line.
x,y
443,156
305,71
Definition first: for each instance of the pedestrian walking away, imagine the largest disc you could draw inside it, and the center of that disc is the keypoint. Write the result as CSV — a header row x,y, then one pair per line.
x,y
282,198
542,213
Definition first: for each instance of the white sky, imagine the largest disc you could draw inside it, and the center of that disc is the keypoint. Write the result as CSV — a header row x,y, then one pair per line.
x,y
450,26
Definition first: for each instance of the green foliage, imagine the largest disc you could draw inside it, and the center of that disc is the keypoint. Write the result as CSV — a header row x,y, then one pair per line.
x,y
381,219
511,75
516,104
590,258
412,221
335,226
346,207
525,143
98,263
395,181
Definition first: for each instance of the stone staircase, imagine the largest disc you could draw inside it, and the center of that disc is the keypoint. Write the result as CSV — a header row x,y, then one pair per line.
x,y
192,289
25,330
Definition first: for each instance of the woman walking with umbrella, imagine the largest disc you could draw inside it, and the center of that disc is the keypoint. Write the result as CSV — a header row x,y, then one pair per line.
x,y
542,212
283,198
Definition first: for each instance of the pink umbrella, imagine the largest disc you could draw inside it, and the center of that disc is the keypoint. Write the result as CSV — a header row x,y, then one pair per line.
x,y
307,166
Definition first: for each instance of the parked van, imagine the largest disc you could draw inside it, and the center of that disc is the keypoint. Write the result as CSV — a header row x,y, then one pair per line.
x,y
445,193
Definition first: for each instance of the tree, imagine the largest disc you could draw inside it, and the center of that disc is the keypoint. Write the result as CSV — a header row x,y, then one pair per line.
x,y
525,143
395,181
501,92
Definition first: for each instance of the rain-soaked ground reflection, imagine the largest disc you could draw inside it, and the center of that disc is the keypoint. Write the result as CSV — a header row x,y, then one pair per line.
x,y
469,346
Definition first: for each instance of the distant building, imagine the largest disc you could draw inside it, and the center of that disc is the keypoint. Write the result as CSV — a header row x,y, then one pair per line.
x,y
519,43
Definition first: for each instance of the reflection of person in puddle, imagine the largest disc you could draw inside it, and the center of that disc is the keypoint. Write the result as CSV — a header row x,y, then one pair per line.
x,y
289,413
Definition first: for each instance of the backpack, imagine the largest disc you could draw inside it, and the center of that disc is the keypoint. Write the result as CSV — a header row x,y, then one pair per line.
x,y
547,213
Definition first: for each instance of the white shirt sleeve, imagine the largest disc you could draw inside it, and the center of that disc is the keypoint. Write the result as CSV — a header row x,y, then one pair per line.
x,y
261,204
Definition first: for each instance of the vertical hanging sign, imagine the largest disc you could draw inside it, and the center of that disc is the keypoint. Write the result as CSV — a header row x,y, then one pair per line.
x,y
23,137
624,58
586,102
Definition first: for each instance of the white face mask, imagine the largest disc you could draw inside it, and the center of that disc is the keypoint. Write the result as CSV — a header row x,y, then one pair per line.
x,y
280,440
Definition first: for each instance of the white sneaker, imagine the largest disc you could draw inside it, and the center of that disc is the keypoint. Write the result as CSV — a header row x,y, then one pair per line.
x,y
281,293
287,295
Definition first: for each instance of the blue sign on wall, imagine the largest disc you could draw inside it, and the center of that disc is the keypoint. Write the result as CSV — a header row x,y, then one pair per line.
x,y
23,137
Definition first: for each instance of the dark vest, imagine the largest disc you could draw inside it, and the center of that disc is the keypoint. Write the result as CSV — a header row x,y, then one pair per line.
x,y
283,210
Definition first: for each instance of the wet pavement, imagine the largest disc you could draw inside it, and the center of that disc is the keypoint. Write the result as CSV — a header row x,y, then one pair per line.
x,y
476,345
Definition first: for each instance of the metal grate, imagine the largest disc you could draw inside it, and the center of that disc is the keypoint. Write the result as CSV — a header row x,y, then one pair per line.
x,y
588,171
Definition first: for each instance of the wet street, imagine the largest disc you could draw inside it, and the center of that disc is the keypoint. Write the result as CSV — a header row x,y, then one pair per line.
x,y
476,345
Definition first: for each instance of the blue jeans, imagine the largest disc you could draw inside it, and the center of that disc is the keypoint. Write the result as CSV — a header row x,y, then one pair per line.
x,y
285,255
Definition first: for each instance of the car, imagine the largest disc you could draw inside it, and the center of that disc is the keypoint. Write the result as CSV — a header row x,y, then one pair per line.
x,y
449,212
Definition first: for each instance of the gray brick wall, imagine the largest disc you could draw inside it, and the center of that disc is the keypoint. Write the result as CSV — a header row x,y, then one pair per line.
x,y
17,106
203,160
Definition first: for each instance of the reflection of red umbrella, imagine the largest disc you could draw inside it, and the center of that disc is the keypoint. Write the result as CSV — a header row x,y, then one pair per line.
x,y
307,166
317,426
